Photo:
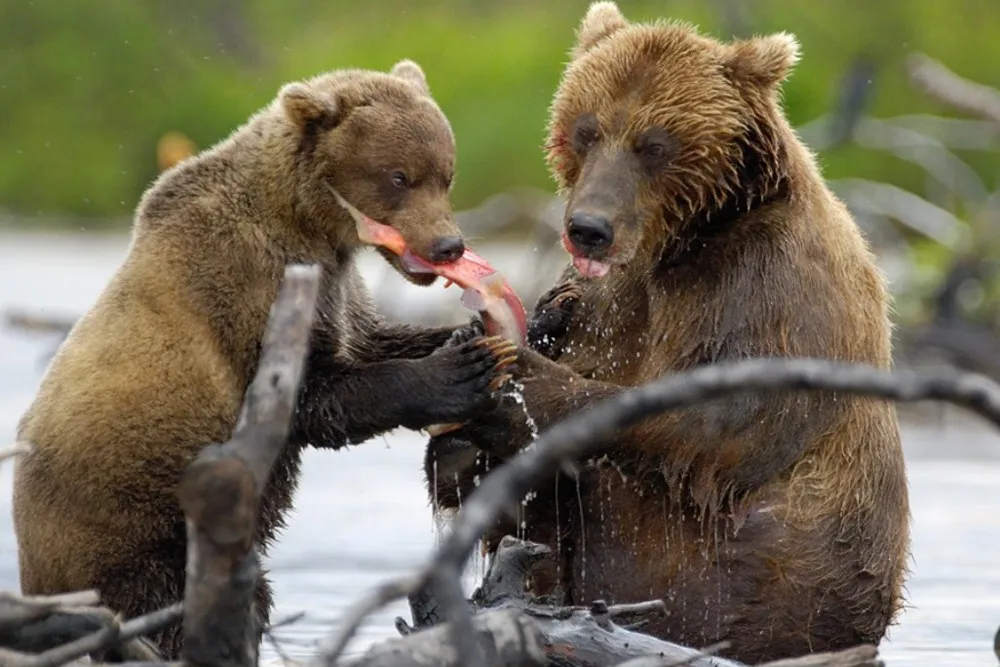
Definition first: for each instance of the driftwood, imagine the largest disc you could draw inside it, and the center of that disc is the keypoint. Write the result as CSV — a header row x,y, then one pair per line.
x,y
599,635
221,491
592,636
506,637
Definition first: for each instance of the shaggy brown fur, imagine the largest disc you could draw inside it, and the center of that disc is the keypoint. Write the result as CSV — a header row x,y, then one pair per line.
x,y
159,365
779,521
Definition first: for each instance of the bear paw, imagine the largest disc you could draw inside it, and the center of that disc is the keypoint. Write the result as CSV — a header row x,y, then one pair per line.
x,y
552,316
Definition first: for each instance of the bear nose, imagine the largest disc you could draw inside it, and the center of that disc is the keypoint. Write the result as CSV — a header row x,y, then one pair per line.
x,y
446,249
590,232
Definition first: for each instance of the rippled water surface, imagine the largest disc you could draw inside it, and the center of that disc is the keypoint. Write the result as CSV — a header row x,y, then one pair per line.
x,y
361,515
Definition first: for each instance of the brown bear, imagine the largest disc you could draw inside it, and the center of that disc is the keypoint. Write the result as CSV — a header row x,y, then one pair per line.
x,y
702,231
159,365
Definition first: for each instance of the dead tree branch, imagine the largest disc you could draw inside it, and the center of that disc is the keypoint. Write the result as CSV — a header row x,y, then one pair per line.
x,y
12,451
221,491
107,637
28,322
938,82
581,434
61,628
858,656
506,637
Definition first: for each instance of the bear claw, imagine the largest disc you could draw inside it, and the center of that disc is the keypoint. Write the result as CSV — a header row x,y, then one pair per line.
x,y
503,350
498,382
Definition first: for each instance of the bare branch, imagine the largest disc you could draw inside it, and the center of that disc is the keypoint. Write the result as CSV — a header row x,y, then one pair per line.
x,y
106,638
16,610
28,322
506,637
937,81
650,608
864,655
660,661
360,610
14,450
578,435
221,490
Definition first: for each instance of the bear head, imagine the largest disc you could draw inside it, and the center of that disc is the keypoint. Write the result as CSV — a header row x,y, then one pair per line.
x,y
381,142
656,130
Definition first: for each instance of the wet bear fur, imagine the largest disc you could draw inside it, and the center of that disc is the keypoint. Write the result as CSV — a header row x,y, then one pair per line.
x,y
778,521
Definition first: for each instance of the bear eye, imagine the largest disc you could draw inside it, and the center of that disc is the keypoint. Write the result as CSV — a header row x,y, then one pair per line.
x,y
399,179
584,138
653,151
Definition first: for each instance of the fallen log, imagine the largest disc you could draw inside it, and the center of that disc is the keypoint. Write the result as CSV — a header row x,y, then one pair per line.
x,y
508,638
596,636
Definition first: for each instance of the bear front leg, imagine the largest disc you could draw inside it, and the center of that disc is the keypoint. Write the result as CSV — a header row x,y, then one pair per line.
x,y
404,341
726,447
348,403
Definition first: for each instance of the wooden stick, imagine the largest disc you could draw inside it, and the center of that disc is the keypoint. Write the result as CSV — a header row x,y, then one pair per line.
x,y
14,450
940,83
221,490
506,637
864,655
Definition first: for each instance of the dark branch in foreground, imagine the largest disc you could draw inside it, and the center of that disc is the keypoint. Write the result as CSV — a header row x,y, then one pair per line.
x,y
221,491
577,436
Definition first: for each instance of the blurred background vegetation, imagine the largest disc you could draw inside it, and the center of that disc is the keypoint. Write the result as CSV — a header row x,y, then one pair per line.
x,y
88,88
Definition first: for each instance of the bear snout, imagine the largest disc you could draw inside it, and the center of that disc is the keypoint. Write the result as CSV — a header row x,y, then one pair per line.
x,y
446,249
591,234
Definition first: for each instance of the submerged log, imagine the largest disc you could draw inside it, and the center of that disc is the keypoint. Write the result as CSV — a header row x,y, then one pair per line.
x,y
599,635
596,636
508,637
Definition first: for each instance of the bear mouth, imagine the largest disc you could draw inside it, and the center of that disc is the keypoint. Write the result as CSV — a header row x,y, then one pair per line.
x,y
588,267
416,275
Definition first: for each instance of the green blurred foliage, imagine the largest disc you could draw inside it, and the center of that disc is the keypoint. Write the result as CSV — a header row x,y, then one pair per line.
x,y
87,87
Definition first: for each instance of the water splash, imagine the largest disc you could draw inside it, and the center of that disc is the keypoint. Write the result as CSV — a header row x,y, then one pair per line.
x,y
517,393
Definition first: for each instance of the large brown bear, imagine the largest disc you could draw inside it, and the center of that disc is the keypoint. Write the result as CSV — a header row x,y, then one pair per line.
x,y
158,367
702,231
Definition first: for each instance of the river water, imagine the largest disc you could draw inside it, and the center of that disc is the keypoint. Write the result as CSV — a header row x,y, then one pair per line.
x,y
362,516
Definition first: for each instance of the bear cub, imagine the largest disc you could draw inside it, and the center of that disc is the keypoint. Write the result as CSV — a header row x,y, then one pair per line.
x,y
158,366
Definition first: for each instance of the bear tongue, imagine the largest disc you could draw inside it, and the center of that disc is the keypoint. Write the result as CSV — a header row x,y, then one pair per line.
x,y
590,268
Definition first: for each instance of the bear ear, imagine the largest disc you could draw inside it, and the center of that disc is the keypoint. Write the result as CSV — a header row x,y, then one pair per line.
x,y
602,19
412,72
765,61
304,105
